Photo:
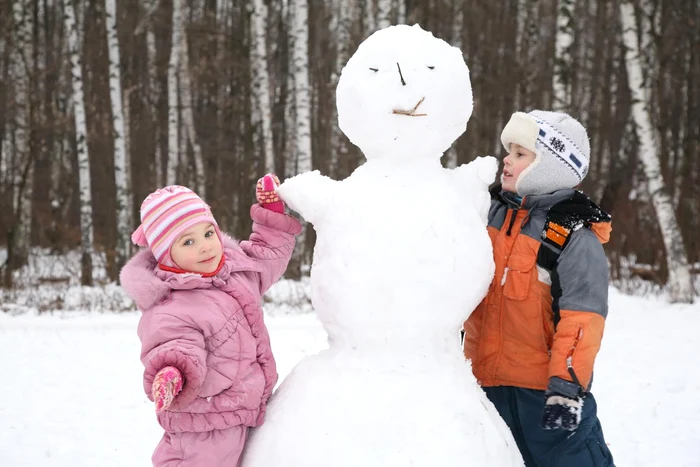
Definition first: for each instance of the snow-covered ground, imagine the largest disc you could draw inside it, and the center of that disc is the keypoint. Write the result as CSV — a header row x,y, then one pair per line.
x,y
71,396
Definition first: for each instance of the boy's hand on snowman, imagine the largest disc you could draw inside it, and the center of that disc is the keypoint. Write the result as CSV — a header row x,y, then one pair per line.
x,y
267,196
166,385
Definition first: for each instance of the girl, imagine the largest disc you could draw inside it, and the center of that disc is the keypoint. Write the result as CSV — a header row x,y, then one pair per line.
x,y
534,338
206,351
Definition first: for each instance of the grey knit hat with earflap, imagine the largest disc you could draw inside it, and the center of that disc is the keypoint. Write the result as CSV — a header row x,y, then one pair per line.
x,y
561,147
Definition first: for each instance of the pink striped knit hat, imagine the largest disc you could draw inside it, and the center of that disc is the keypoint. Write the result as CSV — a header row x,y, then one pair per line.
x,y
165,215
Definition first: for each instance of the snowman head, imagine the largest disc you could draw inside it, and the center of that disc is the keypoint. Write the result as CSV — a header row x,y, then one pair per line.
x,y
404,94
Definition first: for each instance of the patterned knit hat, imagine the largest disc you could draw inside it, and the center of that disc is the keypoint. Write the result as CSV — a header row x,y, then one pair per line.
x,y
165,215
561,147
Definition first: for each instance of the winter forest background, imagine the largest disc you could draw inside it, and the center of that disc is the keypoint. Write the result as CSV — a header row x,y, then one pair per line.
x,y
102,101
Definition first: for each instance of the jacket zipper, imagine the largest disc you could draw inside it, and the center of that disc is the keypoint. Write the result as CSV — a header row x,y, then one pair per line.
x,y
513,215
570,359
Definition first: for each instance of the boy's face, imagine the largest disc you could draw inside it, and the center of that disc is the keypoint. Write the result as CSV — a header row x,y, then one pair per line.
x,y
198,249
517,160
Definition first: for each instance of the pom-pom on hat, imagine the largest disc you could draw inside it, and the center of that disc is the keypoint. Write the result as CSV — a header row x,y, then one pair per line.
x,y
165,215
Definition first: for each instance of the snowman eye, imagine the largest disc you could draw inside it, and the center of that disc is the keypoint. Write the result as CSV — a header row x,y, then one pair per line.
x,y
431,67
374,69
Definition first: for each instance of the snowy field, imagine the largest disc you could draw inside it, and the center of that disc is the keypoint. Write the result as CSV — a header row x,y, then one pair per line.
x,y
71,392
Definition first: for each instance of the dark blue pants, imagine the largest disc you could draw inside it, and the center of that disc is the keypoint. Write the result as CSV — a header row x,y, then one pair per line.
x,y
522,411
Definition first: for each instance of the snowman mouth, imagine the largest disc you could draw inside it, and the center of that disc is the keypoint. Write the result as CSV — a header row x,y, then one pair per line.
x,y
412,112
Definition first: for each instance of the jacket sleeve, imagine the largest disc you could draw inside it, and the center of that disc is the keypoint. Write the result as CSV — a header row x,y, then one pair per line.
x,y
167,340
580,295
271,243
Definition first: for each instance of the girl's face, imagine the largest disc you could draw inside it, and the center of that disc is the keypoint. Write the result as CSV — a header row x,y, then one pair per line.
x,y
514,163
198,249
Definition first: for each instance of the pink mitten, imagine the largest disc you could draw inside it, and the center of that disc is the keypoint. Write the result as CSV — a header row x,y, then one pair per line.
x,y
166,385
266,195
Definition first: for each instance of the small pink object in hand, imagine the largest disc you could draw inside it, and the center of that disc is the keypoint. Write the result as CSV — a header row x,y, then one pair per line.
x,y
166,385
267,196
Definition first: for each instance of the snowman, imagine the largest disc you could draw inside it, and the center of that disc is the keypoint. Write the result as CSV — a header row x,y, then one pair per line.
x,y
402,257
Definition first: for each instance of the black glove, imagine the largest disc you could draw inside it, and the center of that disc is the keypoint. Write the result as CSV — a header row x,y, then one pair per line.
x,y
563,405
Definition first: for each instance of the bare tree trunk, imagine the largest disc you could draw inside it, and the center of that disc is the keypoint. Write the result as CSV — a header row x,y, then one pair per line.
x,y
679,278
6,157
186,176
86,228
586,103
339,150
400,7
562,59
681,162
261,82
154,92
222,25
173,114
187,115
122,170
61,193
369,19
290,119
521,47
457,29
127,161
383,14
22,166
302,91
302,100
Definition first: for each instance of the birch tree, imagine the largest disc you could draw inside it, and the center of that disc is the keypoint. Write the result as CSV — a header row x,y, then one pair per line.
x,y
679,278
86,228
262,117
302,104
302,91
122,170
562,54
369,19
383,13
173,110
188,116
21,164
400,8
290,123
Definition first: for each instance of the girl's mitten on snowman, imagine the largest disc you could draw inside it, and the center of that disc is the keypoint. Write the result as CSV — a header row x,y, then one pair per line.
x,y
267,196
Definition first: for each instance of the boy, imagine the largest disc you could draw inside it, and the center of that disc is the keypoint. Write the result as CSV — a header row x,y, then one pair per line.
x,y
534,338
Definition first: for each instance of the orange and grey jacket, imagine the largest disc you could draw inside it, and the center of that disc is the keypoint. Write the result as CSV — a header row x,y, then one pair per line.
x,y
539,322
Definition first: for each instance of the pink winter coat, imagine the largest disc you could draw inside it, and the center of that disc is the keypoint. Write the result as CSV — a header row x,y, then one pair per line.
x,y
212,329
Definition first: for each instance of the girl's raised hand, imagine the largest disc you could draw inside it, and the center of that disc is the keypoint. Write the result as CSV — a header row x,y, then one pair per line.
x,y
267,196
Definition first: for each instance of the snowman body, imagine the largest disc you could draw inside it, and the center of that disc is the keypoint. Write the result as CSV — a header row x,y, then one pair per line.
x,y
402,257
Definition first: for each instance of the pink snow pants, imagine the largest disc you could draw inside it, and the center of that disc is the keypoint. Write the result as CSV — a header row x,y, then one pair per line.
x,y
218,448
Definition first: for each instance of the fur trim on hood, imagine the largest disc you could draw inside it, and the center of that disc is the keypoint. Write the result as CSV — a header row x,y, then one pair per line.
x,y
139,280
